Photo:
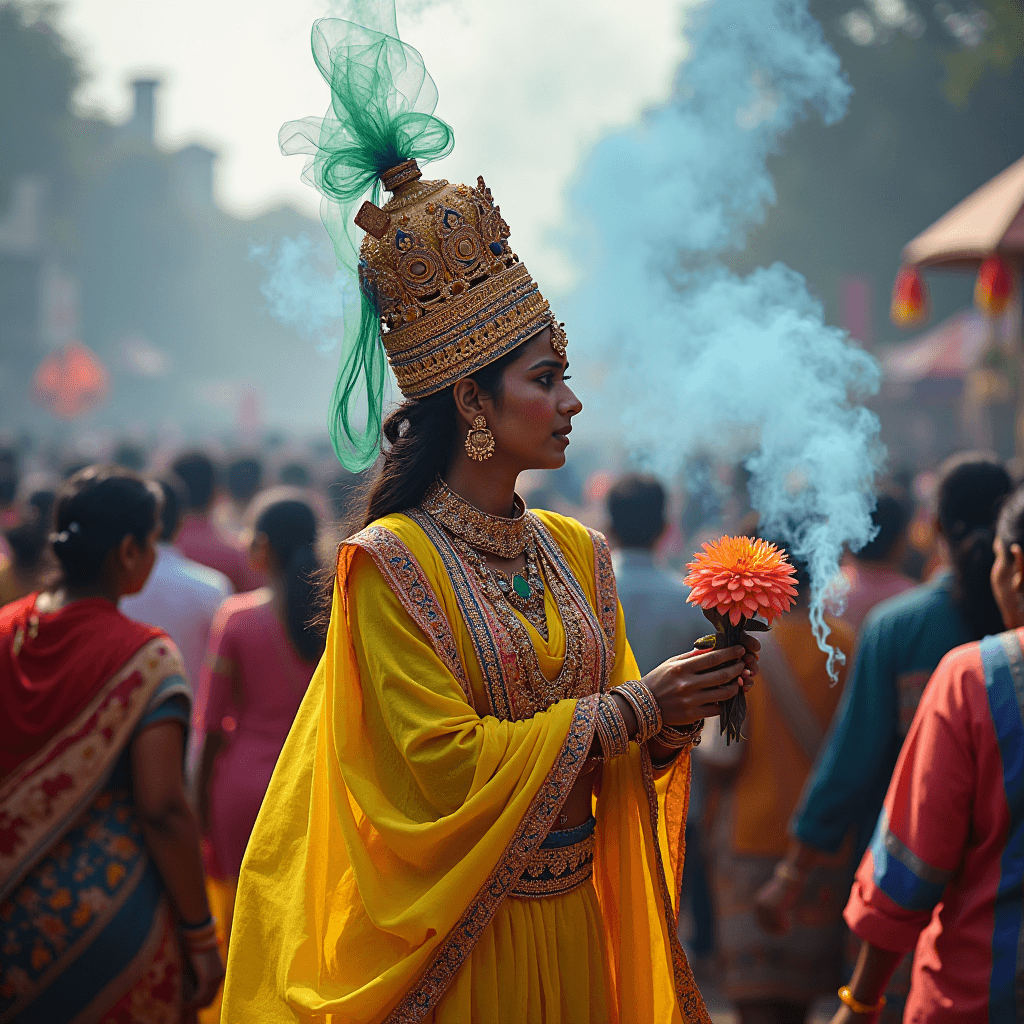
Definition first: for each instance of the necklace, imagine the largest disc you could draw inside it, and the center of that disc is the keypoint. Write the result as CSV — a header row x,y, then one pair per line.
x,y
525,590
500,536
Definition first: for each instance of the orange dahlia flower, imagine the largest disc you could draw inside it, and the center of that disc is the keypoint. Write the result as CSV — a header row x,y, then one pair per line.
x,y
740,577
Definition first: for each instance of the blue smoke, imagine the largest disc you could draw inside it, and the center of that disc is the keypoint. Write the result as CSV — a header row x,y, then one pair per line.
x,y
704,360
301,296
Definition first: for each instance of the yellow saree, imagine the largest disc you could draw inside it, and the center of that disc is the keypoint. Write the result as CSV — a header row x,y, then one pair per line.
x,y
375,887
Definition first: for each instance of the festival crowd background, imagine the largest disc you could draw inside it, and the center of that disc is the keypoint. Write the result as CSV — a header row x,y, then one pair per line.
x,y
235,585
134,333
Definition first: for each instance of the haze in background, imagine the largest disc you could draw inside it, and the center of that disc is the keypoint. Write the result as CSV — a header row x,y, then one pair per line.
x,y
696,360
526,104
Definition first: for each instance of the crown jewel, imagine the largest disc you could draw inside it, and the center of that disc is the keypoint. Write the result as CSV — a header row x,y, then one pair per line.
x,y
451,294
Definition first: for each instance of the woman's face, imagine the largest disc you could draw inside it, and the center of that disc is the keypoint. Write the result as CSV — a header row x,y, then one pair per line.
x,y
532,419
1007,578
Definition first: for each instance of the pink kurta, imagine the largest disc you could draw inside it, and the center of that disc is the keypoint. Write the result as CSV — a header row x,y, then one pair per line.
x,y
250,689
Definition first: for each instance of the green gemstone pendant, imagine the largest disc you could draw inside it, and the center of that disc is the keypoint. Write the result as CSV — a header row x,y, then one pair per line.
x,y
521,586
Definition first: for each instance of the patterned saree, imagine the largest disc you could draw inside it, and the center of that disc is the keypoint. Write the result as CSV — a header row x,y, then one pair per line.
x,y
408,863
85,927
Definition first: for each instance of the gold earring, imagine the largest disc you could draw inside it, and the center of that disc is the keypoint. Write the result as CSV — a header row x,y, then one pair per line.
x,y
479,440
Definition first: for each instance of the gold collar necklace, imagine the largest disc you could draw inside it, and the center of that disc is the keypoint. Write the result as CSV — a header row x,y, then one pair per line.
x,y
495,535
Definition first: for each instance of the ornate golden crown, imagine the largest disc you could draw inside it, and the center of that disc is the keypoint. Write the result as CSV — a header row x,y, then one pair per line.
x,y
452,295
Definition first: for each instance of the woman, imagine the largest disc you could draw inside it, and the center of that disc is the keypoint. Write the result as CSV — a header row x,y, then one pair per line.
x,y
100,869
263,650
30,559
901,643
463,824
774,979
944,871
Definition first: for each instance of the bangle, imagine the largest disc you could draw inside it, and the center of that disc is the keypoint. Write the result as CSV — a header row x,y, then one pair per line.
x,y
787,872
611,727
689,735
200,937
847,997
648,714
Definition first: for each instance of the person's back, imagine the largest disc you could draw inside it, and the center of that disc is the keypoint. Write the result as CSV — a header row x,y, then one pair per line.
x,y
944,871
197,538
252,689
659,622
181,596
263,650
873,573
901,642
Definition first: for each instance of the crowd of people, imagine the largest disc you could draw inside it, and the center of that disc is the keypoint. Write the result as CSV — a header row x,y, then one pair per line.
x,y
817,851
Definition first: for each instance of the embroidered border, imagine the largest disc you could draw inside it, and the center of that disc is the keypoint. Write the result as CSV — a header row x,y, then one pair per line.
x,y
557,870
411,585
554,553
490,639
42,799
691,1004
606,589
456,947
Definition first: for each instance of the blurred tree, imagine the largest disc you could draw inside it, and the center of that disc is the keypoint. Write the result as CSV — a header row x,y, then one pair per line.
x,y
38,74
997,46
850,196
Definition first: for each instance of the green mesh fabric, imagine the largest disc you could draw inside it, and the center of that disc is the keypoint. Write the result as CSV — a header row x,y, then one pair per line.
x,y
382,103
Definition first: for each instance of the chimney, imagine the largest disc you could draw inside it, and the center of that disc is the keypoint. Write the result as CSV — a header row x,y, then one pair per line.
x,y
194,165
143,121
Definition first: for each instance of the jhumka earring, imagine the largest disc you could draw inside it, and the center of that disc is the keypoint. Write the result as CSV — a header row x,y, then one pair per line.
x,y
479,440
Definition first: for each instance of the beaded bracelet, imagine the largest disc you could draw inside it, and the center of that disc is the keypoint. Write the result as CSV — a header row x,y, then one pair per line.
x,y
670,736
641,700
611,727
200,938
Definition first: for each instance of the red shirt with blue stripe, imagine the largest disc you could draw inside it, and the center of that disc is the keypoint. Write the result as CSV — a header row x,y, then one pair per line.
x,y
945,869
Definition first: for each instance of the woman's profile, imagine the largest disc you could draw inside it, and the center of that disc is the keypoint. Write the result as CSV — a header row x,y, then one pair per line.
x,y
464,823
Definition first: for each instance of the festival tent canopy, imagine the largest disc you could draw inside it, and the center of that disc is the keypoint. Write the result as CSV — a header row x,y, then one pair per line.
x,y
951,349
989,221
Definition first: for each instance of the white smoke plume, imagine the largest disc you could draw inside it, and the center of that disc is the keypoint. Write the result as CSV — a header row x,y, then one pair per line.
x,y
695,358
301,295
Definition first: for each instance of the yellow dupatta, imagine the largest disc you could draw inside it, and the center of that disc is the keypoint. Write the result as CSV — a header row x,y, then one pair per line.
x,y
398,816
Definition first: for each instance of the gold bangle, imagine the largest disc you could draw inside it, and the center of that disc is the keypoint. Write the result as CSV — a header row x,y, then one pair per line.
x,y
648,714
611,727
689,735
847,997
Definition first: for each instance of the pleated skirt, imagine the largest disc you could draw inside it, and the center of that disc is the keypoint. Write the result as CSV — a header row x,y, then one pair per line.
x,y
539,961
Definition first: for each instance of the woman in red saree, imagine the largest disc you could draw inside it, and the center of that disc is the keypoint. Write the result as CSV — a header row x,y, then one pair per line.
x,y
99,855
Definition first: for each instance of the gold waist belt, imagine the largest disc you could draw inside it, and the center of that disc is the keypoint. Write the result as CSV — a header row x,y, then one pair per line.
x,y
563,862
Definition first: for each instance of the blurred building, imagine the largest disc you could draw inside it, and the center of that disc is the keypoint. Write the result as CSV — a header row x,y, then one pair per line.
x,y
136,260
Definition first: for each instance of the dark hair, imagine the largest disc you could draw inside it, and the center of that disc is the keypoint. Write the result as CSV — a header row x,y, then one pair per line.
x,y
1010,525
891,517
342,491
96,509
421,438
130,456
294,474
971,488
244,477
636,504
199,475
29,538
175,497
291,529
8,475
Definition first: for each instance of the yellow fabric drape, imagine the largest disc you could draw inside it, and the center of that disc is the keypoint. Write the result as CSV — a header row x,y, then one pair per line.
x,y
375,869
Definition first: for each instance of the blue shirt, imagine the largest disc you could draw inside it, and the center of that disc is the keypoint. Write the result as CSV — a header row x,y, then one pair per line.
x,y
901,643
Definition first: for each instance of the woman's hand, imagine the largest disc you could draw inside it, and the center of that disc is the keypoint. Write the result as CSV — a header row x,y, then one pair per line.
x,y
774,901
208,973
691,686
